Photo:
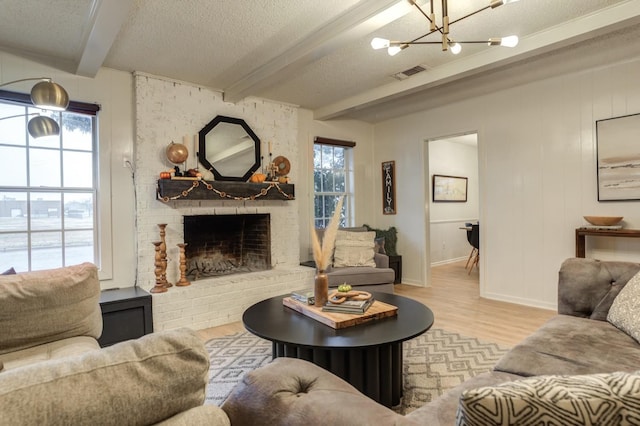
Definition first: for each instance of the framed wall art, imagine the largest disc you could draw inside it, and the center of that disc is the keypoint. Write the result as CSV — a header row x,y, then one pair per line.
x,y
389,187
449,189
618,158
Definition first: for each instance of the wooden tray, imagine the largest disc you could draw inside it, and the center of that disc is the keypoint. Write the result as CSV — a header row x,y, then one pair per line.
x,y
336,320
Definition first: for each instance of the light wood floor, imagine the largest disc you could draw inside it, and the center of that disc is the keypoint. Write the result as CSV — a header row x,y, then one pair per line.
x,y
457,306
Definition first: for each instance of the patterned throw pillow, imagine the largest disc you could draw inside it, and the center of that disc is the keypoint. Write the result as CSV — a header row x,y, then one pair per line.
x,y
597,399
354,249
625,307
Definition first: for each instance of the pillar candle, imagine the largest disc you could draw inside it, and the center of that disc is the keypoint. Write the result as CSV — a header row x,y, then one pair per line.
x,y
195,149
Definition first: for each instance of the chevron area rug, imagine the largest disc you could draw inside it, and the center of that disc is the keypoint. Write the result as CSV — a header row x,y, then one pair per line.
x,y
433,363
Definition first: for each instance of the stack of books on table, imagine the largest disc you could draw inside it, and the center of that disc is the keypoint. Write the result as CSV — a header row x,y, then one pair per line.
x,y
348,306
304,296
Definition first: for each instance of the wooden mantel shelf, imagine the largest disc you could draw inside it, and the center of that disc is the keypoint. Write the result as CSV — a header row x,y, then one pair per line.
x,y
176,190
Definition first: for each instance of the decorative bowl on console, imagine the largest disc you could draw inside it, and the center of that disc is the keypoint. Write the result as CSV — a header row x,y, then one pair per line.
x,y
603,220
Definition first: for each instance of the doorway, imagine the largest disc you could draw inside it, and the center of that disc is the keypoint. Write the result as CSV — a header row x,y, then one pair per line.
x,y
452,156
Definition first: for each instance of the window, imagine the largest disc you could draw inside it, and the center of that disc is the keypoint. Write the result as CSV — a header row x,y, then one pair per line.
x,y
332,178
48,187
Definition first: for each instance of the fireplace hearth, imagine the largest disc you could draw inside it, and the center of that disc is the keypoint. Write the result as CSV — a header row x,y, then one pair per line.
x,y
220,245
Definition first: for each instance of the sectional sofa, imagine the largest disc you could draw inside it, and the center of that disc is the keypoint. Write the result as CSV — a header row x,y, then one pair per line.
x,y
578,368
53,371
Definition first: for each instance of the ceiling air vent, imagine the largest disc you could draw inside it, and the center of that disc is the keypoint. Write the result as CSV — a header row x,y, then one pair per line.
x,y
408,73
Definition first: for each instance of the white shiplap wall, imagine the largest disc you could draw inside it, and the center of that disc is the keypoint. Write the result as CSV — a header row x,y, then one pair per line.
x,y
537,177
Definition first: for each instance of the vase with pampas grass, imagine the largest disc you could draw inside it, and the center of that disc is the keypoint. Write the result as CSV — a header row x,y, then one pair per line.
x,y
322,253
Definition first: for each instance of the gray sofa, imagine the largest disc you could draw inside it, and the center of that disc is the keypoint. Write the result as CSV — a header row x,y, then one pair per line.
x,y
573,347
53,372
365,278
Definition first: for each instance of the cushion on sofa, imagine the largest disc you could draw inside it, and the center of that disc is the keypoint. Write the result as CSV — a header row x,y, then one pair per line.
x,y
354,249
625,308
588,287
66,299
290,391
602,399
571,345
47,351
361,275
136,382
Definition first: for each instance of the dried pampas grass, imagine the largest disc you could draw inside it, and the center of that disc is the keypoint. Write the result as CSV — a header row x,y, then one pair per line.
x,y
322,252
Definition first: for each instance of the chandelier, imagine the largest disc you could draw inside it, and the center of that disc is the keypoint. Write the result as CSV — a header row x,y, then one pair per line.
x,y
448,43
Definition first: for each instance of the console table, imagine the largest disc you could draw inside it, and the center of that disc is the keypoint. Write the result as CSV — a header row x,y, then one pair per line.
x,y
581,233
126,314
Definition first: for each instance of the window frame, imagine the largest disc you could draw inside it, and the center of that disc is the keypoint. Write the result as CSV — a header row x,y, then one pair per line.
x,y
348,215
75,107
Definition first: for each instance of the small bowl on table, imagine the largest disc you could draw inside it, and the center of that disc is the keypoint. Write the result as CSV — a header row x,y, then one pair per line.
x,y
603,220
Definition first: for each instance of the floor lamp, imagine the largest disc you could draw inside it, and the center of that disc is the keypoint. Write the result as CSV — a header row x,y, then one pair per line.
x,y
44,95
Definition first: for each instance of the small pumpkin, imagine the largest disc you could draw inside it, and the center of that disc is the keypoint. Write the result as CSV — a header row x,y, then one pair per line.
x,y
257,178
165,175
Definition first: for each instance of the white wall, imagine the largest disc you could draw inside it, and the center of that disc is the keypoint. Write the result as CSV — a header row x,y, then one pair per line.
x,y
113,90
537,177
451,158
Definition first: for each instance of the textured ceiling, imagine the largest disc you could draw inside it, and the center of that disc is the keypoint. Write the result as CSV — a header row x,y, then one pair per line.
x,y
311,53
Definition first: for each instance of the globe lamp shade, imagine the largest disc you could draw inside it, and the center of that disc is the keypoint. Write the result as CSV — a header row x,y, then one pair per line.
x,y
42,126
49,95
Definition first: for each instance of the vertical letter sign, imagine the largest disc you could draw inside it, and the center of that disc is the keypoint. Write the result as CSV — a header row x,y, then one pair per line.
x,y
389,187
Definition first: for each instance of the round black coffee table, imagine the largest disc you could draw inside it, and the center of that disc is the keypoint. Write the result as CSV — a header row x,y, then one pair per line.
x,y
369,356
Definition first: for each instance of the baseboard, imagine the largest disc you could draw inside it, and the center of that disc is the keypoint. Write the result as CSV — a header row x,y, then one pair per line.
x,y
520,301
448,261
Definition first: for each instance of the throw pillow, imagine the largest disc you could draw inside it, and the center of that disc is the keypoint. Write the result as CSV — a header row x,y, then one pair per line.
x,y
625,307
379,245
602,399
390,238
10,271
354,249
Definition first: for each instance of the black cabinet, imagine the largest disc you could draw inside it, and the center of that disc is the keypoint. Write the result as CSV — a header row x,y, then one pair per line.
x,y
395,263
126,314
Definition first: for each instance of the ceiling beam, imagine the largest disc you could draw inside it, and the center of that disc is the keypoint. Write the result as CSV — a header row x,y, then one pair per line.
x,y
364,18
607,20
105,20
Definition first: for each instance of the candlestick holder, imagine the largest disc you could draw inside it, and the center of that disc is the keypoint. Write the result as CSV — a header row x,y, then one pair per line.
x,y
163,252
183,282
158,287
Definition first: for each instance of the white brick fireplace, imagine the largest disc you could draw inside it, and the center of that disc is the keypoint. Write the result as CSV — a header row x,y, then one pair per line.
x,y
166,111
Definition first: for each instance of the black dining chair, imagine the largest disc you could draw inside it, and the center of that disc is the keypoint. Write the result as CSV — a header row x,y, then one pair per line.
x,y
469,227
473,236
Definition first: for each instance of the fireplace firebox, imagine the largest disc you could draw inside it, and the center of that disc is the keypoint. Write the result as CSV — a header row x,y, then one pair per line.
x,y
226,244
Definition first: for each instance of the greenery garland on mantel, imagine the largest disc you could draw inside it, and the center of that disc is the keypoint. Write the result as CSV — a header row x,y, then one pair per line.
x,y
265,188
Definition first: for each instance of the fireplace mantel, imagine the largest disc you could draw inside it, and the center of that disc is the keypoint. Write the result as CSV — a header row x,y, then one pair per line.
x,y
185,190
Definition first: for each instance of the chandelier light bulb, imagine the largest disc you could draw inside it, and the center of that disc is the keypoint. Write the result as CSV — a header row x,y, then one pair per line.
x,y
394,50
455,48
510,41
496,3
379,43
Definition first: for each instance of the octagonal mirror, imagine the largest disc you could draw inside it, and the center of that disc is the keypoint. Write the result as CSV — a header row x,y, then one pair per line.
x,y
229,149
